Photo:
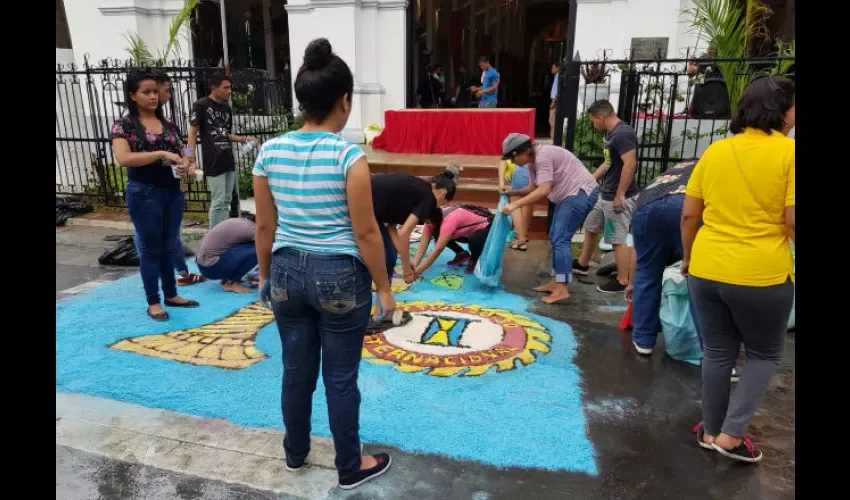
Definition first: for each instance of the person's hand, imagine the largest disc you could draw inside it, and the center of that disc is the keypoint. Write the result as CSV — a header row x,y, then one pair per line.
x,y
265,292
170,158
629,292
193,169
619,202
508,209
475,88
478,94
182,167
252,140
685,267
387,304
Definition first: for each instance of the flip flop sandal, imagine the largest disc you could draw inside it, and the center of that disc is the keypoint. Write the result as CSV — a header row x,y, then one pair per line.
x,y
188,303
190,279
163,316
521,245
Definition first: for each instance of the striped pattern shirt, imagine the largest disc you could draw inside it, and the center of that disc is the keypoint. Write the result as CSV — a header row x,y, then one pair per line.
x,y
306,172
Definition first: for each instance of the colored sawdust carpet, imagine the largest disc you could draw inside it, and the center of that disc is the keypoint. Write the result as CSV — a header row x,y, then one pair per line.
x,y
472,376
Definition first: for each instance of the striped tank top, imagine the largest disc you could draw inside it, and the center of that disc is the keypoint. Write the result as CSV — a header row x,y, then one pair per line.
x,y
306,172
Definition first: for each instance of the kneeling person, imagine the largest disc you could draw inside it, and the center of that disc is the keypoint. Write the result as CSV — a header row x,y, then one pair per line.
x,y
228,253
557,174
460,224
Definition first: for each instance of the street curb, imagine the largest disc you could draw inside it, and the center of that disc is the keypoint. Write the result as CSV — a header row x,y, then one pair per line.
x,y
122,225
204,447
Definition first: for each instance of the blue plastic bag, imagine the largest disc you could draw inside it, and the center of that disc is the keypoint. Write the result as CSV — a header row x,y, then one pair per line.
x,y
792,321
489,267
680,333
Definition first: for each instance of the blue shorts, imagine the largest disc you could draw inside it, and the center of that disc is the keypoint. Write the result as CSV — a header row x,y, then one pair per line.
x,y
520,178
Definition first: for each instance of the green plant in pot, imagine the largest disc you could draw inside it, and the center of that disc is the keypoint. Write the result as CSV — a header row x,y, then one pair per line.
x,y
596,85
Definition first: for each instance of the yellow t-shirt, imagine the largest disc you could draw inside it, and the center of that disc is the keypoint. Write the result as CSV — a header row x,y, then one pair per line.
x,y
742,243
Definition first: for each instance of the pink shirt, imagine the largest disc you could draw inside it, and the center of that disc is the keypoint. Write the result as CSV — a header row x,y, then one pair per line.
x,y
458,224
560,167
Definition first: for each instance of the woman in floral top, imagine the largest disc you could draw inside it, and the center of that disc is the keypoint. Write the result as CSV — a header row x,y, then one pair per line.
x,y
148,145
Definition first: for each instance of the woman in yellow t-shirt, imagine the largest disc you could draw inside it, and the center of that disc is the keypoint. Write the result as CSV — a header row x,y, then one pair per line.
x,y
740,262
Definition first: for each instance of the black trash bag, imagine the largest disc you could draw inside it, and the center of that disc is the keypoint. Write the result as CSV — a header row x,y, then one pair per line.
x,y
69,206
123,254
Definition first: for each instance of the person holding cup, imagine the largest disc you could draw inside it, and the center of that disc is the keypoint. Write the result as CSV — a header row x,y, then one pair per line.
x,y
150,147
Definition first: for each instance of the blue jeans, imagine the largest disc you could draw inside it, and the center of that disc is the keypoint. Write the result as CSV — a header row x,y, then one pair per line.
x,y
321,304
179,256
156,214
567,218
390,251
487,104
233,264
657,233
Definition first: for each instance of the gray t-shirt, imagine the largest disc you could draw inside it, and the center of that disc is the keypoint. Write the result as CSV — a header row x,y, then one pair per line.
x,y
620,140
223,237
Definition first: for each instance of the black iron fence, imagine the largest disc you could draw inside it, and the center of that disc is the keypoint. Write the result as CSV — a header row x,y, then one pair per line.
x,y
677,106
89,99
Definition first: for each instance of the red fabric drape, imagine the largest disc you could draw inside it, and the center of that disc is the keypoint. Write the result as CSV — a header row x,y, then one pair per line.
x,y
452,131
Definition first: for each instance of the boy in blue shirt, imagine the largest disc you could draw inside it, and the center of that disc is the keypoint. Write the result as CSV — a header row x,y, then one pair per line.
x,y
487,93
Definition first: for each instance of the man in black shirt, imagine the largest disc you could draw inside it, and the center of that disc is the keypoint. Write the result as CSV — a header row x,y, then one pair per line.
x,y
613,212
212,117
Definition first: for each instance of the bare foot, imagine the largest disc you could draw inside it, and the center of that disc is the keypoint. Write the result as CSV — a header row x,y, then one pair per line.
x,y
559,293
234,287
726,441
548,287
367,462
708,439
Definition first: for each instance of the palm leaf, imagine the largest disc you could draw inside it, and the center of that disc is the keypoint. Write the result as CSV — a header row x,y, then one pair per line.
x,y
731,31
137,49
179,20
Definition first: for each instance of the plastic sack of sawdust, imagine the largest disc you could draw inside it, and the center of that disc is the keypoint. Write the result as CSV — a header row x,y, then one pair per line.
x,y
372,131
792,321
489,267
680,334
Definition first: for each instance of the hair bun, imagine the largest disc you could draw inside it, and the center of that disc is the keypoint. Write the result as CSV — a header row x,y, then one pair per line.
x,y
453,171
317,55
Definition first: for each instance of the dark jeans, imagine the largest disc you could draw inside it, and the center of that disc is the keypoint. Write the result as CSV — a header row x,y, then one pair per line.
x,y
156,214
567,218
233,264
179,255
729,315
390,251
476,242
321,304
657,233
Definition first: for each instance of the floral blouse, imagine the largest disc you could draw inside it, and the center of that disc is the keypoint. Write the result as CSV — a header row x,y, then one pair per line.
x,y
155,174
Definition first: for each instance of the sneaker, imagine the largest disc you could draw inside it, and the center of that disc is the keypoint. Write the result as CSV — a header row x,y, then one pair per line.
x,y
580,269
645,351
384,460
386,323
700,431
613,286
295,468
460,259
744,452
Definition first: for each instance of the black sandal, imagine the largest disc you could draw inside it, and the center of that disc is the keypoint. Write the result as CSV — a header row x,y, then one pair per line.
x,y
188,303
163,316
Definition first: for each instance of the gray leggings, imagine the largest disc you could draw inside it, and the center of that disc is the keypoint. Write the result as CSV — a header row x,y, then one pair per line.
x,y
729,315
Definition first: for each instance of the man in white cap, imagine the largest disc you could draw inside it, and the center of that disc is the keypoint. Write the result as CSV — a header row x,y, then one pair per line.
x,y
557,174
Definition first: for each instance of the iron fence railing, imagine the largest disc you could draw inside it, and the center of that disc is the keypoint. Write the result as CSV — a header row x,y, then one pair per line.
x,y
90,98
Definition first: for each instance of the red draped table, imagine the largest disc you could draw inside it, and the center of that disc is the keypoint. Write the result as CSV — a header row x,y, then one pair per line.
x,y
452,131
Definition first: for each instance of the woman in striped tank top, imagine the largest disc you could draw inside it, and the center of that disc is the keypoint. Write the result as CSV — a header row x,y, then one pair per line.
x,y
319,248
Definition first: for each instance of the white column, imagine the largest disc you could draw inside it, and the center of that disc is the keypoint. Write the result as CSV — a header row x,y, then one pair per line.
x,y
268,36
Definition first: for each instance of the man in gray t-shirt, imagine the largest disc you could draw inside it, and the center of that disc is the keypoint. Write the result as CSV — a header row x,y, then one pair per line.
x,y
617,198
228,253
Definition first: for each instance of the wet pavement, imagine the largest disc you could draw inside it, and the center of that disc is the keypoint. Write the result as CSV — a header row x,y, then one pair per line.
x,y
639,413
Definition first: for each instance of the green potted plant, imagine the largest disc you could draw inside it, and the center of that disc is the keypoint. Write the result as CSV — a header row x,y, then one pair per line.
x,y
596,86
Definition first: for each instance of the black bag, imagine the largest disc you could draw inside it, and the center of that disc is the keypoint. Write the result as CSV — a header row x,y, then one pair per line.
x,y
124,254
69,206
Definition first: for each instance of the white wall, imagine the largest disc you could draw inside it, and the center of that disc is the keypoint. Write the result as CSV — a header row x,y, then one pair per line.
x,y
369,35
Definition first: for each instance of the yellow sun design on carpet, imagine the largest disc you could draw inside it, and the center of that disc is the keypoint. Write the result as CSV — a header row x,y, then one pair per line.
x,y
226,343
443,340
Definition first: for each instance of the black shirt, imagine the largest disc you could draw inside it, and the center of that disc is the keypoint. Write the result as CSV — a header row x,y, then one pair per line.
x,y
141,140
620,140
397,196
673,181
214,121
